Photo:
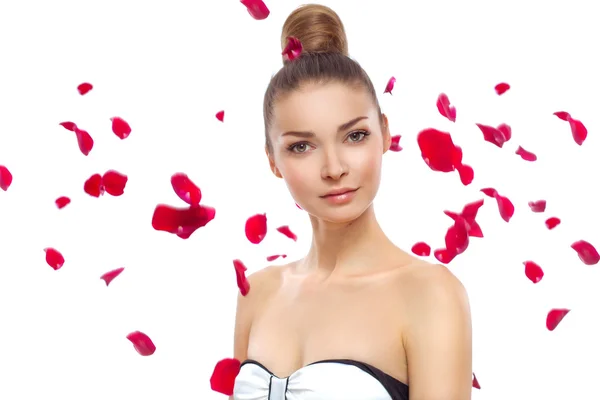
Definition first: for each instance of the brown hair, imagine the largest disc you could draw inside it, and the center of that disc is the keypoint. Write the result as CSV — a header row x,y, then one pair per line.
x,y
324,58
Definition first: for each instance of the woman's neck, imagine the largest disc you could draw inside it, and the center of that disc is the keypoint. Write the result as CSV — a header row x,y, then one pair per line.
x,y
346,247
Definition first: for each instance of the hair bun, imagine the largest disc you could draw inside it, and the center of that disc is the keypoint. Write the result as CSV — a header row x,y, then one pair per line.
x,y
319,29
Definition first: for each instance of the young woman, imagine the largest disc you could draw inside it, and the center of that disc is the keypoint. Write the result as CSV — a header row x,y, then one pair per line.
x,y
357,318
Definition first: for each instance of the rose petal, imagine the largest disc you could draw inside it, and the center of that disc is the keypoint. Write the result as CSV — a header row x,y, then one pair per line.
x,y
142,343
223,377
84,140
84,88
475,382
287,232
444,107
114,182
6,178
292,49
62,202
120,127
240,276
93,186
109,276
273,257
256,228
490,192
466,174
505,130
390,85
182,222
492,135
533,271
537,206
186,189
444,256
578,130
437,150
421,249
554,317
53,258
469,213
501,88
587,252
505,207
552,222
220,115
256,8
457,238
525,155
395,144
563,115
300,208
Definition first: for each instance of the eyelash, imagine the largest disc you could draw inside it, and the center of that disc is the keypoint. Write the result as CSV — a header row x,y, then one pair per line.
x,y
361,132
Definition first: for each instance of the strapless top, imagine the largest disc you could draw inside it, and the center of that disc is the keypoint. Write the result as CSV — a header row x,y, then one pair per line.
x,y
322,380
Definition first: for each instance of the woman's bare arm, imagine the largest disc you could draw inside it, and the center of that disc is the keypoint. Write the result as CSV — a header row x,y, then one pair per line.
x,y
438,340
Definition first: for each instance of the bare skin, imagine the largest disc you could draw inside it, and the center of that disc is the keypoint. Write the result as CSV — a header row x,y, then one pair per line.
x,y
355,295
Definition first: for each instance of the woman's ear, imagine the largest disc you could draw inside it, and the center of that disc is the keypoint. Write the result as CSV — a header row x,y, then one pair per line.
x,y
272,165
385,130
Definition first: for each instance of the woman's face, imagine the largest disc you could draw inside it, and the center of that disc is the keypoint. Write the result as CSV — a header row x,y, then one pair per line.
x,y
327,137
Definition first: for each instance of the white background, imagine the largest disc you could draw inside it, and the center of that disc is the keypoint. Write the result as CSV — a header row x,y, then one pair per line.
x,y
167,68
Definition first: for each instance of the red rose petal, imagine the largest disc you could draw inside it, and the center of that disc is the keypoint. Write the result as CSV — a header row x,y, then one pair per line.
x,y
421,249
533,271
300,208
390,85
444,256
525,155
62,202
93,186
292,49
552,222
220,115
120,127
505,207
555,316
6,178
395,144
142,343
84,88
578,130
469,213
457,238
287,232
476,382
501,88
182,222
84,141
240,277
256,228
186,189
109,276
537,206
273,257
438,150
54,258
256,8
490,192
497,136
465,173
223,377
444,107
114,182
587,252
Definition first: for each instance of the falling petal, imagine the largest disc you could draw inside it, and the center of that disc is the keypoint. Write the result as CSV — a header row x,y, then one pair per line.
x,y
62,202
109,276
421,249
475,382
538,206
120,127
395,144
587,252
220,115
223,377
287,232
491,192
6,178
84,88
444,107
93,186
525,155
505,207
114,182
142,343
256,228
186,189
497,136
256,8
390,85
292,50
501,88
240,277
466,174
438,151
182,222
555,316
552,222
578,130
53,258
533,271
444,256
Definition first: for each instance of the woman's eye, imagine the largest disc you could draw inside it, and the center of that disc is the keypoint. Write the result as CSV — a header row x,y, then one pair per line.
x,y
300,147
356,136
